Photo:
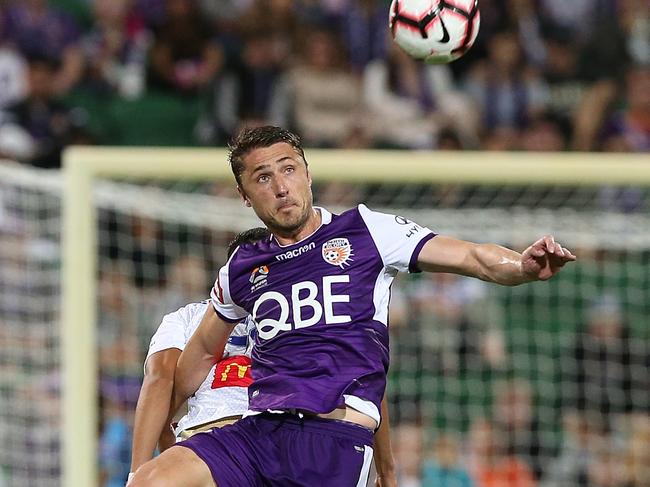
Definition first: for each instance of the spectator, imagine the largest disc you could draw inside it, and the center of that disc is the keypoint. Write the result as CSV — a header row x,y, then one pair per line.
x,y
635,22
507,91
326,97
222,12
364,32
188,283
449,139
147,254
580,16
562,74
638,454
544,134
444,469
185,56
607,468
256,88
408,101
116,49
455,317
13,76
570,468
36,129
43,32
407,448
277,18
39,403
490,465
500,139
607,369
519,426
119,387
151,11
629,129
114,447
119,305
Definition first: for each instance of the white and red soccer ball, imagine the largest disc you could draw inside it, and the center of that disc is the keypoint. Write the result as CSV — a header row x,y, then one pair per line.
x,y
435,31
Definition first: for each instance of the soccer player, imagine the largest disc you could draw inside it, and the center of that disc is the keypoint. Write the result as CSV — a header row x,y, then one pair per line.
x,y
318,290
221,399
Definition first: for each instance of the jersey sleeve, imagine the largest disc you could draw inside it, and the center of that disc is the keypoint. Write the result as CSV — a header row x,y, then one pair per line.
x,y
222,299
171,333
398,240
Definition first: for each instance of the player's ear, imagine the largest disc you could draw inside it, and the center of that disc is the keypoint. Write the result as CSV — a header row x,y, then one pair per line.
x,y
244,198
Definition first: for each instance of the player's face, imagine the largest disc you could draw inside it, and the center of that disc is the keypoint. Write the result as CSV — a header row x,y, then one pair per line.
x,y
276,184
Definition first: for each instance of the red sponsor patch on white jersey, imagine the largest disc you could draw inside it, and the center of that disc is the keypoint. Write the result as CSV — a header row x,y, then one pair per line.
x,y
233,372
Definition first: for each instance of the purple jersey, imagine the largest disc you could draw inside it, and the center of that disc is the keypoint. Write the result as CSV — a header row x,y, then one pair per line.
x,y
321,310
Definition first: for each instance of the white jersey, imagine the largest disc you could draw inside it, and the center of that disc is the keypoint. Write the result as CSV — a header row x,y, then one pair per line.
x,y
224,392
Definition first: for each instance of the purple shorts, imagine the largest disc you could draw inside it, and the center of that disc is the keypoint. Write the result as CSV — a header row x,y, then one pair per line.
x,y
285,451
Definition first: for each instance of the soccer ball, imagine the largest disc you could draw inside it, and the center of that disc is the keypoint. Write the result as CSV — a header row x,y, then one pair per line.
x,y
436,31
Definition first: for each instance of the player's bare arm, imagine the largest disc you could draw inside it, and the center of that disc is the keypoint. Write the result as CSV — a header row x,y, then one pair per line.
x,y
493,263
197,359
383,455
153,405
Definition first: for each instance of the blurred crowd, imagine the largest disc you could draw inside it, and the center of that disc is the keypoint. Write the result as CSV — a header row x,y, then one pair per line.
x,y
497,419
543,75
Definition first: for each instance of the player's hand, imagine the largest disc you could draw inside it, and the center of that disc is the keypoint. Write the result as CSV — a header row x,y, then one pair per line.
x,y
544,259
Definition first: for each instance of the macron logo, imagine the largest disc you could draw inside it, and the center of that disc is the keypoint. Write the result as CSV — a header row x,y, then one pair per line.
x,y
290,254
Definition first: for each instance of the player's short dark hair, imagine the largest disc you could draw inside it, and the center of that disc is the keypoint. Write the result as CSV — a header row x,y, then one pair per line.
x,y
256,138
248,236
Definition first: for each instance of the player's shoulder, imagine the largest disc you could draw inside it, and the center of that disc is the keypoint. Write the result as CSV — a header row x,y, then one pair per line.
x,y
251,248
350,216
249,254
188,313
368,213
176,327
375,217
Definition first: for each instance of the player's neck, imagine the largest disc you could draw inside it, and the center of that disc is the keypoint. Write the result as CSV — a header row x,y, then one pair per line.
x,y
310,226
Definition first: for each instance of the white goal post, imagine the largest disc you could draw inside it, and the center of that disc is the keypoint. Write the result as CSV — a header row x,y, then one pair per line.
x,y
84,165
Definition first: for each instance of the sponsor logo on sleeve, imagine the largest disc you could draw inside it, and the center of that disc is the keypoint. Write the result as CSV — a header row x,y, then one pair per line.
x,y
338,252
401,220
413,230
258,278
413,227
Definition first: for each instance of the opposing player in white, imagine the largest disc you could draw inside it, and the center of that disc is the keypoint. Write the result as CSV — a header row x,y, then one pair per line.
x,y
221,399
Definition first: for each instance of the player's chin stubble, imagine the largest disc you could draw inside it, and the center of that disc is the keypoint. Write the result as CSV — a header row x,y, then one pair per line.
x,y
290,224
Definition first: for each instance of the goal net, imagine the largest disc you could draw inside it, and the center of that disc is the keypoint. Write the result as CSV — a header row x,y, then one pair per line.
x,y
553,376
